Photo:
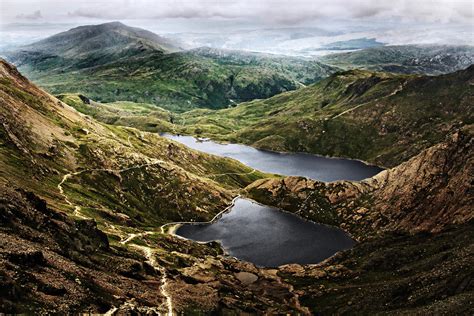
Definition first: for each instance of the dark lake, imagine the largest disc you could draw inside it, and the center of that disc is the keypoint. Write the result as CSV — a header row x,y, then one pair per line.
x,y
288,164
264,235
269,237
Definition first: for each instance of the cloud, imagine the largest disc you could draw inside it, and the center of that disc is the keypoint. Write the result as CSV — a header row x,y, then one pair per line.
x,y
285,12
86,14
33,16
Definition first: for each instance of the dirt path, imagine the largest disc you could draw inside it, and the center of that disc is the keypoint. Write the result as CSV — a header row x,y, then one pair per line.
x,y
150,255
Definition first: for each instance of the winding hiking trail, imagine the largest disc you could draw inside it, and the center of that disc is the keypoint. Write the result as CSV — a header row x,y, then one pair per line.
x,y
77,209
149,253
132,236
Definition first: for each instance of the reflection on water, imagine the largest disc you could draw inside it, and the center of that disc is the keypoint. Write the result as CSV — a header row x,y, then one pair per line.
x,y
268,237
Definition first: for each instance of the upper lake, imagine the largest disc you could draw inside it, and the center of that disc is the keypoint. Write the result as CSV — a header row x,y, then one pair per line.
x,y
287,164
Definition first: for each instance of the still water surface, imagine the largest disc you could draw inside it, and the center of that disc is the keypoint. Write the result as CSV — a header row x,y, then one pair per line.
x,y
288,164
269,237
264,235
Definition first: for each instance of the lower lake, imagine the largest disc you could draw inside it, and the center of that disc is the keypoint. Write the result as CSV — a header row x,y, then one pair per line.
x,y
269,237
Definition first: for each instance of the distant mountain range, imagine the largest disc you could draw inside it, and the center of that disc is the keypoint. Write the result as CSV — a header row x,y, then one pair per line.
x,y
112,61
421,59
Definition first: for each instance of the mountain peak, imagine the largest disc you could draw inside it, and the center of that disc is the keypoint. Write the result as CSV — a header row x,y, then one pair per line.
x,y
113,23
107,38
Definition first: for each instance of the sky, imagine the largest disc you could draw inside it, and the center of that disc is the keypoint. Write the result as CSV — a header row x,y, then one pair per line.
x,y
20,19
269,12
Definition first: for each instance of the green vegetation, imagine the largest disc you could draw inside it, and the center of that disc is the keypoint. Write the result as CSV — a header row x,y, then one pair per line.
x,y
377,117
143,116
112,62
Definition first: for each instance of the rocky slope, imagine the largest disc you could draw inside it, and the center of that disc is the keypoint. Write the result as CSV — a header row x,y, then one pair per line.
x,y
397,274
51,263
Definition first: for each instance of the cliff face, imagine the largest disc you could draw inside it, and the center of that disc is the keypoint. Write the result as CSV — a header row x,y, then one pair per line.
x,y
430,191
415,227
50,262
427,193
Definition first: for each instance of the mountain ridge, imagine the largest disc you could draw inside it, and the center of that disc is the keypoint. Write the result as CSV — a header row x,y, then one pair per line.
x,y
406,59
378,117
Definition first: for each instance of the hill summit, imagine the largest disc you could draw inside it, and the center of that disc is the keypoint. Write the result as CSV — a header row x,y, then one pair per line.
x,y
108,37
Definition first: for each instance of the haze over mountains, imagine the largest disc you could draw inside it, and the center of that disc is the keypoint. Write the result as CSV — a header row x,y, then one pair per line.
x,y
109,53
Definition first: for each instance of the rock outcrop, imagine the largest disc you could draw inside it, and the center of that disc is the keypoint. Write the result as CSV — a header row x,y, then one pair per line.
x,y
427,193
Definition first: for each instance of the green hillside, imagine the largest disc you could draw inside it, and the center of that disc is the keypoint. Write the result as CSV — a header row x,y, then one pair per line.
x,y
113,62
378,117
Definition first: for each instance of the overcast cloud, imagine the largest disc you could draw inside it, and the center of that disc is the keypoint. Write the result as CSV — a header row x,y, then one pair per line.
x,y
229,23
294,12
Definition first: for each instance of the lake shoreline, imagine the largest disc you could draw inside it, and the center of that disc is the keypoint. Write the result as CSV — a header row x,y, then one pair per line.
x,y
310,166
177,225
224,142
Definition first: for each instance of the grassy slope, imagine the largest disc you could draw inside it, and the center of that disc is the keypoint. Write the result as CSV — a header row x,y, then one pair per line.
x,y
390,117
143,116
42,132
177,81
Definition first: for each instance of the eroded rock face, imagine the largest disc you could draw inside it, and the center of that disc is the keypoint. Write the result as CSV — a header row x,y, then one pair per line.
x,y
430,191
49,262
427,193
